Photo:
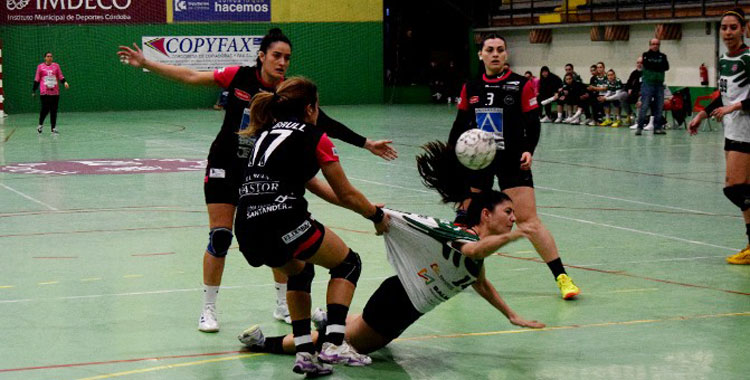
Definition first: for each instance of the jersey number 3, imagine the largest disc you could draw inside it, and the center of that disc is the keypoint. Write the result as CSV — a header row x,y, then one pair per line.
x,y
277,136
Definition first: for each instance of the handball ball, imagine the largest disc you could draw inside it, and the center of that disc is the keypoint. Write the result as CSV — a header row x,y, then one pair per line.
x,y
475,149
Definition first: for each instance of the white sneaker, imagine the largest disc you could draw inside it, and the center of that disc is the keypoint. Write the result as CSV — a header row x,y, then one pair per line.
x,y
343,354
309,364
54,131
634,126
558,120
39,129
591,123
208,321
649,127
282,313
252,336
545,120
319,318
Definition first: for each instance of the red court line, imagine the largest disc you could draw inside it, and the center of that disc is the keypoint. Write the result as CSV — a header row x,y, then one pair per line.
x,y
152,254
102,230
55,257
625,274
119,361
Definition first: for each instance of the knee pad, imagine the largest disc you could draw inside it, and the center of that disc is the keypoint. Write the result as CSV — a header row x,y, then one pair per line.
x,y
349,269
739,195
301,282
219,240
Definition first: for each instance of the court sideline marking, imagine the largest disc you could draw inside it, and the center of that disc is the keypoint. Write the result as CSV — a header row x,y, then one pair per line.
x,y
415,338
28,197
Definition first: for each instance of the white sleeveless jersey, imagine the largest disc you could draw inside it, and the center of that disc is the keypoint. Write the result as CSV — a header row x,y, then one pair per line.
x,y
734,85
421,250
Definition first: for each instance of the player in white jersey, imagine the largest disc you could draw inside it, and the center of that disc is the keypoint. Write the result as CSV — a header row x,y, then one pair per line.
x,y
733,108
434,260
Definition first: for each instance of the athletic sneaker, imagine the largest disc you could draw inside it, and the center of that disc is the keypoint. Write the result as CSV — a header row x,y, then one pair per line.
x,y
616,124
54,131
740,258
308,364
639,131
634,126
567,288
39,129
208,321
591,122
282,313
545,120
559,119
606,123
319,318
252,336
343,354
649,127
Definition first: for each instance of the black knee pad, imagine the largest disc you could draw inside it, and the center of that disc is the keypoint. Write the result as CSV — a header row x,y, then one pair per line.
x,y
301,281
349,269
739,195
219,240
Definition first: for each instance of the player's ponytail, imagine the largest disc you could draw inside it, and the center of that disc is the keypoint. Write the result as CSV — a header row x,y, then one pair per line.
x,y
441,171
288,103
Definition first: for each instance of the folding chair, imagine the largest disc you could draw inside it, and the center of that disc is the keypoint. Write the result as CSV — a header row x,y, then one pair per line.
x,y
702,102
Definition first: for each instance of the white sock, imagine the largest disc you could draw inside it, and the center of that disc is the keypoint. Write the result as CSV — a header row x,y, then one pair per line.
x,y
559,114
209,294
280,293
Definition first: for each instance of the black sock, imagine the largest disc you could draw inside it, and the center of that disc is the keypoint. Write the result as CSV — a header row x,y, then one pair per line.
x,y
272,345
747,231
336,323
302,336
556,266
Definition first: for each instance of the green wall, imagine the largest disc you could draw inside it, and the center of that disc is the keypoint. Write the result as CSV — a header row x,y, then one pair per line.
x,y
344,58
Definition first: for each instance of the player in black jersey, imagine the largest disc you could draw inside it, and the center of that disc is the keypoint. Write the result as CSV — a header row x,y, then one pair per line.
x,y
275,228
228,154
503,103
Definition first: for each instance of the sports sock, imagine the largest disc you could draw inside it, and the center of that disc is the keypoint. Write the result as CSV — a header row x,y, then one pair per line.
x,y
336,323
280,293
272,345
209,294
556,266
302,336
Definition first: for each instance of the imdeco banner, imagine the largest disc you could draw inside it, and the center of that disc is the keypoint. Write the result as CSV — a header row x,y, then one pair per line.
x,y
82,11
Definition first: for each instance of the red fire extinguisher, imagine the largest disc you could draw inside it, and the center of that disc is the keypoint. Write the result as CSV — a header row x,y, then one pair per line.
x,y
704,74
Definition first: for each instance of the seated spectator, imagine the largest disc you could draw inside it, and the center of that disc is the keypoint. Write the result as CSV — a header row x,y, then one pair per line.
x,y
614,98
549,85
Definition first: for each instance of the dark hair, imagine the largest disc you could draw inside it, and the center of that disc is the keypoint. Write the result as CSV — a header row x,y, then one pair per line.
x,y
490,37
528,72
600,63
568,75
544,68
485,200
273,35
569,64
49,52
441,171
592,66
611,71
736,12
287,103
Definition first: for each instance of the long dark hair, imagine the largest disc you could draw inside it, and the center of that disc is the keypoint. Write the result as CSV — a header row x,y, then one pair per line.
x,y
737,13
273,35
485,200
287,103
441,171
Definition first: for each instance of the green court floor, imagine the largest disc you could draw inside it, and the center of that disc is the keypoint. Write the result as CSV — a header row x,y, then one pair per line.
x,y
100,274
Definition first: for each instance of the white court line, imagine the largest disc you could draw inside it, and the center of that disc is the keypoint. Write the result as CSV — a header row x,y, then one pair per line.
x,y
640,232
204,151
652,261
628,200
166,291
393,186
28,197
631,147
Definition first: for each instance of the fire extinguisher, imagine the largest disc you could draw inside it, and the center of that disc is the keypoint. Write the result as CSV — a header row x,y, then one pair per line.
x,y
704,74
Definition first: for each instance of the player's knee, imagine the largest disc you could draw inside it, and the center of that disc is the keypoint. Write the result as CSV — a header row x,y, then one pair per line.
x,y
349,269
219,240
302,281
739,195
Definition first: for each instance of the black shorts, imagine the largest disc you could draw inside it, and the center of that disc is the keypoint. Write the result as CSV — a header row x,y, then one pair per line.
x,y
389,310
275,241
221,185
736,146
507,168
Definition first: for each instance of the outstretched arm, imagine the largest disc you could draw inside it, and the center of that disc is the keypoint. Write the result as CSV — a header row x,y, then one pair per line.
x,y
489,293
488,245
134,57
341,132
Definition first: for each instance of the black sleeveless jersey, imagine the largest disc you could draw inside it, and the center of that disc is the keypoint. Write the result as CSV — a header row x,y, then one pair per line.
x,y
497,105
242,83
285,156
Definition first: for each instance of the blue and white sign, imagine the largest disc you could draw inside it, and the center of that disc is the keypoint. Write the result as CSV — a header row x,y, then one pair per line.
x,y
222,10
490,119
203,53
